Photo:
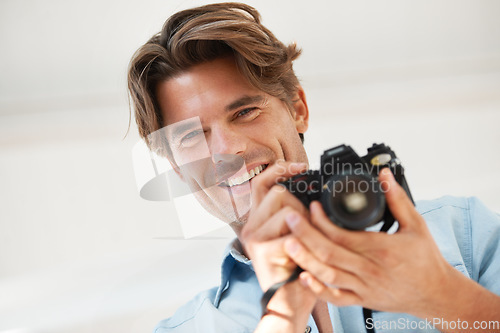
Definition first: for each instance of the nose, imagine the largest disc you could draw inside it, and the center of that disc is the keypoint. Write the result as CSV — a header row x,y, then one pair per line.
x,y
225,141
226,148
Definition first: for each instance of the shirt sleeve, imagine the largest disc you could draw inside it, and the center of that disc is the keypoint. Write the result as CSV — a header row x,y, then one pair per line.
x,y
200,316
485,235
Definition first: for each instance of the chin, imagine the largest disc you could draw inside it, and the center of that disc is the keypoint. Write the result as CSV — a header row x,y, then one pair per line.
x,y
239,223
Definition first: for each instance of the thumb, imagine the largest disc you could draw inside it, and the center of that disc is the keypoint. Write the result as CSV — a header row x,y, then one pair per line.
x,y
397,199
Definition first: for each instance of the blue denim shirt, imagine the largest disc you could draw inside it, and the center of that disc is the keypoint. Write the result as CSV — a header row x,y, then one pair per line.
x,y
466,232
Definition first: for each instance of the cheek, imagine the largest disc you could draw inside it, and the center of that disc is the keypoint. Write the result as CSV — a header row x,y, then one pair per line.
x,y
283,139
191,154
291,145
292,148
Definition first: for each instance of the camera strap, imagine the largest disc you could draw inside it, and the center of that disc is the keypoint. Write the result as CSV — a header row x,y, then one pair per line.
x,y
264,301
368,317
274,288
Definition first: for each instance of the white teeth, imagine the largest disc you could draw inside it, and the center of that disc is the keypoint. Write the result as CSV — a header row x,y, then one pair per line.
x,y
246,176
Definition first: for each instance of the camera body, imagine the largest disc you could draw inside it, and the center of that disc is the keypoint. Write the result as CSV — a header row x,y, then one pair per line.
x,y
348,188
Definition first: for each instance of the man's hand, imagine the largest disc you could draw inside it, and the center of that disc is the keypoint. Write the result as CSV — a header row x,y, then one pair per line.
x,y
402,272
263,239
265,232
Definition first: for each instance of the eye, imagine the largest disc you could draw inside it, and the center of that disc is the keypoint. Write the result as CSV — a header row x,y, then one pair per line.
x,y
247,113
244,112
191,138
191,135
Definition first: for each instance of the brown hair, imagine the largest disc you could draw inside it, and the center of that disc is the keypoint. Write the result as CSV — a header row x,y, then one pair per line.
x,y
202,34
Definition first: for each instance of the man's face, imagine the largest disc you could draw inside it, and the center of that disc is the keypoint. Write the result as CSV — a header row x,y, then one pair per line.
x,y
214,116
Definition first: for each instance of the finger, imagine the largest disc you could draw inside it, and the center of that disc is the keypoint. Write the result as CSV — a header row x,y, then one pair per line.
x,y
275,226
323,249
398,201
274,200
326,273
274,174
270,262
336,296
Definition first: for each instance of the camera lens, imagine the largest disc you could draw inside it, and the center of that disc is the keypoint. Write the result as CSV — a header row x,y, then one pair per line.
x,y
353,201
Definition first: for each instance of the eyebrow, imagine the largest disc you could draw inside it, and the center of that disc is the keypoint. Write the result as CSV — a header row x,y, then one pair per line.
x,y
179,129
245,100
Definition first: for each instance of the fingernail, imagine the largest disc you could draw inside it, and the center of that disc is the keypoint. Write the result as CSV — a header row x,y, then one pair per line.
x,y
292,220
304,281
388,180
313,206
298,165
292,247
387,172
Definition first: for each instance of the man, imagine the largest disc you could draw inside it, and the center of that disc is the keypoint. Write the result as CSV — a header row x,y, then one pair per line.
x,y
216,86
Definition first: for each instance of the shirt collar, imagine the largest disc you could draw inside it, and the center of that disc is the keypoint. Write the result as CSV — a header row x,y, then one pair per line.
x,y
236,251
232,254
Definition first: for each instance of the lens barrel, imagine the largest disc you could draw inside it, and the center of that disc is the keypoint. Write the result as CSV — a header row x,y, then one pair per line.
x,y
353,201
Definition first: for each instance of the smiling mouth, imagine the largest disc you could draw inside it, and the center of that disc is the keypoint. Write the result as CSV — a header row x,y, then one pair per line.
x,y
247,176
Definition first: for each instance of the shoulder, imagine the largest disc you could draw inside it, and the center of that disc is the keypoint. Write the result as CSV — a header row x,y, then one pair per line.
x,y
201,314
464,212
186,312
467,234
428,206
448,219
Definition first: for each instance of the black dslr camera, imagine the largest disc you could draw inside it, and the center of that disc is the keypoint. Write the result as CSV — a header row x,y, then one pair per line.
x,y
348,188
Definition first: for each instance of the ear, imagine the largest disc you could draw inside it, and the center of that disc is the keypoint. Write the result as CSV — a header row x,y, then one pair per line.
x,y
301,111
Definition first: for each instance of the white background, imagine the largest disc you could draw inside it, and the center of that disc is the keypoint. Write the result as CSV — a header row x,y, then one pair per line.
x,y
81,252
